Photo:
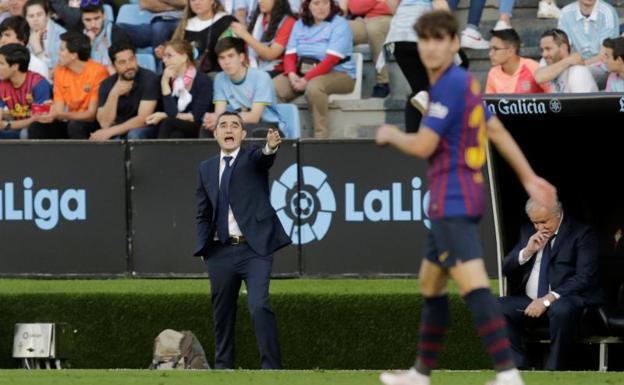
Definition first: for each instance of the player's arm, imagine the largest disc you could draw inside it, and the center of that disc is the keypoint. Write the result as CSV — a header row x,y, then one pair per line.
x,y
421,144
537,187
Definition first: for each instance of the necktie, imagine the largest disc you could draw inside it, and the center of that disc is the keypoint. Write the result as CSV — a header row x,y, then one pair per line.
x,y
223,202
543,284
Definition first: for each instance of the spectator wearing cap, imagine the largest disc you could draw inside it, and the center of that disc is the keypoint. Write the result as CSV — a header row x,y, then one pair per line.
x,y
15,30
20,90
101,32
565,71
76,83
587,23
45,33
126,98
614,57
511,73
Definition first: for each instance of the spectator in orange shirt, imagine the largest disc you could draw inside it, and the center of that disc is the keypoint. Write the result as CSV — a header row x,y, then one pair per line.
x,y
76,83
511,73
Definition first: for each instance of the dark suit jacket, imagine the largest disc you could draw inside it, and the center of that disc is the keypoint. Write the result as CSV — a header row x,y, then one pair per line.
x,y
573,268
249,200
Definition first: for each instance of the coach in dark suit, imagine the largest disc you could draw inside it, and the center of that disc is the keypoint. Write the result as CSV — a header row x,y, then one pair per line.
x,y
552,275
238,231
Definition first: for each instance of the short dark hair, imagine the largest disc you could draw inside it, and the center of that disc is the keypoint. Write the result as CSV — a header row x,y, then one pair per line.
x,y
509,36
122,45
92,7
231,113
16,54
436,25
42,3
227,43
558,35
78,43
18,25
617,45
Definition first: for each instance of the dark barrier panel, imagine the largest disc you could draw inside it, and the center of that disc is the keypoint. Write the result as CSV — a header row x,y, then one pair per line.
x,y
363,210
62,208
164,178
580,151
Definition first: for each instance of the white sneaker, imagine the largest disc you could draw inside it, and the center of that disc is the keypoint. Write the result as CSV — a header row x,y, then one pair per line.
x,y
546,10
420,101
502,24
408,377
508,377
471,38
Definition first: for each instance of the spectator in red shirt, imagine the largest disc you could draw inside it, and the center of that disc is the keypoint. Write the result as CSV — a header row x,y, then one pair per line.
x,y
268,34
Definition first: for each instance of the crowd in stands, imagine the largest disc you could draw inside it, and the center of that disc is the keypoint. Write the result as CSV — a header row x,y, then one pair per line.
x,y
69,70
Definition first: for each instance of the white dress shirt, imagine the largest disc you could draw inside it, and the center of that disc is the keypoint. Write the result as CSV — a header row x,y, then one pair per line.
x,y
533,282
233,228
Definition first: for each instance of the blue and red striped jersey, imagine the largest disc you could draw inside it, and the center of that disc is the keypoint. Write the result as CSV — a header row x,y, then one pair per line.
x,y
457,114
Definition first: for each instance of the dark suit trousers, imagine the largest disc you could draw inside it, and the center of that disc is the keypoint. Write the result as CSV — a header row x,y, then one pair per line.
x,y
562,319
228,266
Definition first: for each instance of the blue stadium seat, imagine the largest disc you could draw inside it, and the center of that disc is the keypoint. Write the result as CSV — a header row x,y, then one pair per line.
x,y
132,14
108,11
290,115
146,60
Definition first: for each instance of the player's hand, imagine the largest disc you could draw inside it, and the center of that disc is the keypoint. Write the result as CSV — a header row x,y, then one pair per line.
x,y
273,138
537,242
385,134
541,191
536,308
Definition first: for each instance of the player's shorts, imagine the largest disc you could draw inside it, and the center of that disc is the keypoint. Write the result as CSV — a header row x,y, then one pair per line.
x,y
453,239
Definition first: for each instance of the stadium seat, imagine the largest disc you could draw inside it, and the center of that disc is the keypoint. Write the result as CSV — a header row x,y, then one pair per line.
x,y
290,114
133,14
146,60
357,89
108,11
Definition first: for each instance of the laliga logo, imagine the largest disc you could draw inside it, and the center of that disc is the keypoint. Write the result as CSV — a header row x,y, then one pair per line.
x,y
313,204
306,213
44,206
622,104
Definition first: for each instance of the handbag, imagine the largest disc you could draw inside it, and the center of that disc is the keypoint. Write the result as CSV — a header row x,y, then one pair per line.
x,y
305,64
204,63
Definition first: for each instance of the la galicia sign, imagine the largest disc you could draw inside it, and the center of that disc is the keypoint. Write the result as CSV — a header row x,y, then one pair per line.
x,y
522,107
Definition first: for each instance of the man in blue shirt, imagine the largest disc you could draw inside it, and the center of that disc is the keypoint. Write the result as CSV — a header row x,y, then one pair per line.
x,y
587,23
453,138
248,91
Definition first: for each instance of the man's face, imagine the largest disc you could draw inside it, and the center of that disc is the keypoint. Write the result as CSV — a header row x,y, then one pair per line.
x,y
231,61
125,64
93,22
436,53
587,3
551,52
8,36
544,220
229,133
613,64
6,71
500,51
65,57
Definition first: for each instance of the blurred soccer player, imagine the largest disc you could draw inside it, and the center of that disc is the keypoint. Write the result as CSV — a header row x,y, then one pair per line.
x,y
452,137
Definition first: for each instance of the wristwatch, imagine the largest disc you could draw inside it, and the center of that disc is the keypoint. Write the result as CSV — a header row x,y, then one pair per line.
x,y
546,303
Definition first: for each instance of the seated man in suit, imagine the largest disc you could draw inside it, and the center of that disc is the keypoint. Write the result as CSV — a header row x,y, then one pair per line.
x,y
238,232
552,275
